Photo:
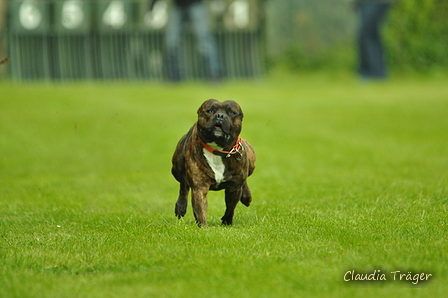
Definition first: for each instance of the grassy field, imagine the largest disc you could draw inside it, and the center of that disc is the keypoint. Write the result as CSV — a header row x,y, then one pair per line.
x,y
350,176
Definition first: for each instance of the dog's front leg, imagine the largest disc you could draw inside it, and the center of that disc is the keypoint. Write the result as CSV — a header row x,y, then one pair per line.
x,y
232,199
199,203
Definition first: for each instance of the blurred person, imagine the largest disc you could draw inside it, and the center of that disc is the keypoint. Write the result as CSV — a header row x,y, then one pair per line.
x,y
372,62
3,13
196,12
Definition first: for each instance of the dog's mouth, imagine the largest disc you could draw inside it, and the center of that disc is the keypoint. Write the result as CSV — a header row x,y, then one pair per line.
x,y
217,130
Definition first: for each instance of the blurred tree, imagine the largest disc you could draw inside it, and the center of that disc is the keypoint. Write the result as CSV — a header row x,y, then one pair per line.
x,y
417,35
321,34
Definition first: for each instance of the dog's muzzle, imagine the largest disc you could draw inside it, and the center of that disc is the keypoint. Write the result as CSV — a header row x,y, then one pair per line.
x,y
220,125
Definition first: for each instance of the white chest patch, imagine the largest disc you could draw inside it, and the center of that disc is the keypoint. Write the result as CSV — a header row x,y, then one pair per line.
x,y
215,162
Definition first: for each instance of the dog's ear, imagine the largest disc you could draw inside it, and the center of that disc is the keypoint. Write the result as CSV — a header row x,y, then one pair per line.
x,y
237,107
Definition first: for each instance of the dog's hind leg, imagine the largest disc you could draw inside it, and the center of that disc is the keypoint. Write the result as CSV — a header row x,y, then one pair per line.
x,y
232,199
182,201
246,196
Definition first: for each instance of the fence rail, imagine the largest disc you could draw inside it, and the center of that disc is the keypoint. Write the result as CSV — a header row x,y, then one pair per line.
x,y
124,40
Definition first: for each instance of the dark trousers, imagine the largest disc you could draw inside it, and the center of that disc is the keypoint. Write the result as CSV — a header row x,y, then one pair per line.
x,y
197,13
372,57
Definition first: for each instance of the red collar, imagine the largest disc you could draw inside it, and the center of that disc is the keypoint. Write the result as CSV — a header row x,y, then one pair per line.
x,y
236,149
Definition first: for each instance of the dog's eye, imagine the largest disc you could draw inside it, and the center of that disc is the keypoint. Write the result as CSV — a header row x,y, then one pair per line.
x,y
233,113
209,111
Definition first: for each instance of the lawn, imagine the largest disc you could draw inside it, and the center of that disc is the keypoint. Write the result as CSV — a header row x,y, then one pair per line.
x,y
350,176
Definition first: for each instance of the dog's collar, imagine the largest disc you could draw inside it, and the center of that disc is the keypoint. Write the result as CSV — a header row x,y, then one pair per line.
x,y
235,151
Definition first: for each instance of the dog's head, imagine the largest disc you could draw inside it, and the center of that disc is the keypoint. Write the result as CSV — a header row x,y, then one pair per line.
x,y
220,122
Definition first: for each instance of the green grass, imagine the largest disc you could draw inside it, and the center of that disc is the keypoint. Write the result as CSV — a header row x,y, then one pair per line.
x,y
349,176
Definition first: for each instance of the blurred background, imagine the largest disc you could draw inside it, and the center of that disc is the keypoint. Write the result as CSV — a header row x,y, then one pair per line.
x,y
63,40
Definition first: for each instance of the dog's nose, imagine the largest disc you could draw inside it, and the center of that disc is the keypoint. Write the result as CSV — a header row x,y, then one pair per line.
x,y
220,116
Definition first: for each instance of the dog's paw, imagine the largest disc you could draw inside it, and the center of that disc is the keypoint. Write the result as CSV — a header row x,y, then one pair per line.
x,y
180,210
226,221
246,200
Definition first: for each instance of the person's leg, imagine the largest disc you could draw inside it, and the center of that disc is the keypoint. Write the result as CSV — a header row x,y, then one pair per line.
x,y
173,36
206,41
372,60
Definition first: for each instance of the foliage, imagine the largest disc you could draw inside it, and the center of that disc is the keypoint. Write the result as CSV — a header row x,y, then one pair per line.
x,y
417,34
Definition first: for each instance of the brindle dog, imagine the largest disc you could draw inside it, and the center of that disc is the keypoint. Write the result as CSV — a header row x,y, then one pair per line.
x,y
213,156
